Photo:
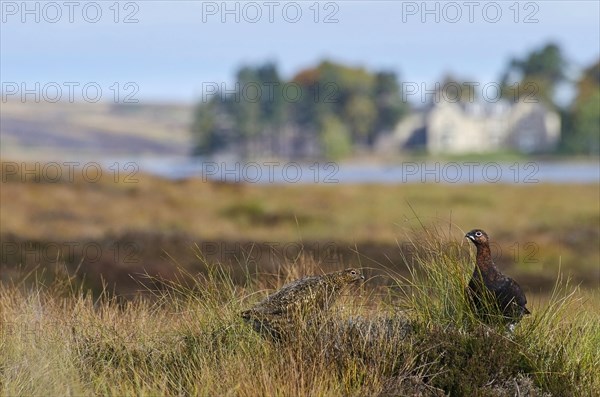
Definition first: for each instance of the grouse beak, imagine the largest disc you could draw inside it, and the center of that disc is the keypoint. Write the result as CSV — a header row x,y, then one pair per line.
x,y
470,237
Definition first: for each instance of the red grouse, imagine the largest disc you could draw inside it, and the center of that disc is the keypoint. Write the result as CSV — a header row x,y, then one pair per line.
x,y
279,315
506,293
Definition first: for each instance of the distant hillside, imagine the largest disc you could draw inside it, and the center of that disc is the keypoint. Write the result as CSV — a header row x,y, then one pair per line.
x,y
53,130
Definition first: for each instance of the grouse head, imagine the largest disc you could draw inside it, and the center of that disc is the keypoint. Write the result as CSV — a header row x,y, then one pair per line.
x,y
478,237
350,276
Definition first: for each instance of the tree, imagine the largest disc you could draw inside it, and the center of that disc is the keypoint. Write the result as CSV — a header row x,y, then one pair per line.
x,y
454,89
335,138
360,113
583,136
321,107
388,101
208,136
366,103
536,75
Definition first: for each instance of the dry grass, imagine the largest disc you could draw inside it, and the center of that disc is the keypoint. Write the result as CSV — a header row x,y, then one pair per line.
x,y
188,339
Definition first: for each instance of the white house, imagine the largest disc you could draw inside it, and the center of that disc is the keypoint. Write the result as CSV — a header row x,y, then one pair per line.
x,y
478,127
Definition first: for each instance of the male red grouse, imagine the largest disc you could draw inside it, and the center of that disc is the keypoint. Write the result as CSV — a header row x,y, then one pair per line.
x,y
507,294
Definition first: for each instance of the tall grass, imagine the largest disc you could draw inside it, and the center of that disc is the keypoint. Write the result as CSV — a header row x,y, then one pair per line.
x,y
556,348
187,338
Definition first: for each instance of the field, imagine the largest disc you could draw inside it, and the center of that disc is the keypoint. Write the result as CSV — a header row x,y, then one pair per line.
x,y
149,224
76,326
415,337
93,130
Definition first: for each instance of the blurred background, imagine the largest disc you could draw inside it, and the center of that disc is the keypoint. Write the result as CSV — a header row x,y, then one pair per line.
x,y
141,136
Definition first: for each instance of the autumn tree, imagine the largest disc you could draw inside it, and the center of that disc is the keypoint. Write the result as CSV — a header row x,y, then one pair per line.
x,y
332,106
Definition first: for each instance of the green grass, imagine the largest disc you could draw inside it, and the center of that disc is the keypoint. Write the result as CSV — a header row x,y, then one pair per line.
x,y
397,336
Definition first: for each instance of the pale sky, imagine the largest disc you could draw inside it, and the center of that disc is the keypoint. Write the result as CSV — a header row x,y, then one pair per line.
x,y
173,47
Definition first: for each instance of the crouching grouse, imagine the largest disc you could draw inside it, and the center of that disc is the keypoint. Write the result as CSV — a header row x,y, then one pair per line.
x,y
298,302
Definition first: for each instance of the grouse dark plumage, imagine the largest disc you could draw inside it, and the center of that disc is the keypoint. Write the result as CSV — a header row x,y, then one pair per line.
x,y
279,313
507,294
